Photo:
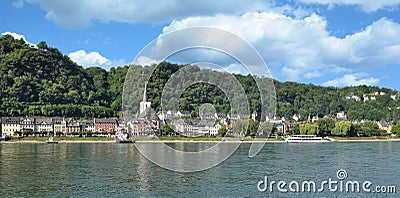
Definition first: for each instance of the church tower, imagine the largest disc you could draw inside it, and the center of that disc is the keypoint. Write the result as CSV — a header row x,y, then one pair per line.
x,y
144,104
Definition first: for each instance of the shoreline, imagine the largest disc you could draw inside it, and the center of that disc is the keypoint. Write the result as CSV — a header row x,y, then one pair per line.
x,y
59,142
186,141
371,140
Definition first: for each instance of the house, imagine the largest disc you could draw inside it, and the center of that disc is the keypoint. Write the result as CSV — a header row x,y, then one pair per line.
x,y
254,115
214,129
9,125
88,125
353,97
385,126
73,126
59,125
341,116
207,115
296,117
105,125
181,126
43,124
139,127
356,98
121,127
280,127
183,114
28,124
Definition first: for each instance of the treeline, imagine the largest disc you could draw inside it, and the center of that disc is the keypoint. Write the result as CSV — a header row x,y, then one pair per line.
x,y
39,80
327,127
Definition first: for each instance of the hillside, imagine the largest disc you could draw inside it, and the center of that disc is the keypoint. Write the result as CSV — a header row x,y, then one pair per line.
x,y
41,81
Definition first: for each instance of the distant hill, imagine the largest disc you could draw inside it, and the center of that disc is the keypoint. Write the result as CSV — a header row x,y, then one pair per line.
x,y
39,80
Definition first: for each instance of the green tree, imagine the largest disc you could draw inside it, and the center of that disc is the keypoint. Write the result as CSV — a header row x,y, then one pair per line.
x,y
167,129
325,126
253,127
239,126
222,131
296,128
42,45
369,128
309,129
342,128
396,129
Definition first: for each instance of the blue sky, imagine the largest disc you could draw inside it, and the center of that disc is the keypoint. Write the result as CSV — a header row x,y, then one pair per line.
x,y
325,42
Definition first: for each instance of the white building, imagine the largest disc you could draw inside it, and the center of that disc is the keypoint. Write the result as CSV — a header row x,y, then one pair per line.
x,y
214,130
144,104
44,125
341,116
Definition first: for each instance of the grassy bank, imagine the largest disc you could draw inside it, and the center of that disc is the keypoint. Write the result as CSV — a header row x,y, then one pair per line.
x,y
366,138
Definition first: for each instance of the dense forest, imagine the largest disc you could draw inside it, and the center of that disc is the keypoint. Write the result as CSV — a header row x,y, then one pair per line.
x,y
40,80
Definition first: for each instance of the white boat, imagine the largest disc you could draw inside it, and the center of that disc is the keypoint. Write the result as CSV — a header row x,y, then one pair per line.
x,y
304,138
51,140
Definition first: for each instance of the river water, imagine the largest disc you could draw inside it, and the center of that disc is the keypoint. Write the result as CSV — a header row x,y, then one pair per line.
x,y
89,170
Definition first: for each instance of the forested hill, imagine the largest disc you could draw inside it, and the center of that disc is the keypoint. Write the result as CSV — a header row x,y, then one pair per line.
x,y
39,80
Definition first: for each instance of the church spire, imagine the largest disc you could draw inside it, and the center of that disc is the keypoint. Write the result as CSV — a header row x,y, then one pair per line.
x,y
144,104
144,93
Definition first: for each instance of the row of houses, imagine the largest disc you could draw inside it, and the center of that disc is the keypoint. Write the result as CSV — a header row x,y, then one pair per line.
x,y
11,125
371,96
193,127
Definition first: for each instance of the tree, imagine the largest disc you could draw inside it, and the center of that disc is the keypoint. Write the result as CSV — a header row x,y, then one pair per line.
x,y
309,129
42,45
222,131
369,128
239,126
253,127
325,126
296,129
342,129
167,129
396,129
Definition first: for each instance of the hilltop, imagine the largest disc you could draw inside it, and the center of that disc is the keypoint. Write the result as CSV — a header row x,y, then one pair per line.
x,y
39,80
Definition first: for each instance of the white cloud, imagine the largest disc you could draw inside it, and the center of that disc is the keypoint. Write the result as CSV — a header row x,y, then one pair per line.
x,y
80,13
366,5
144,61
89,59
304,47
18,36
352,80
18,4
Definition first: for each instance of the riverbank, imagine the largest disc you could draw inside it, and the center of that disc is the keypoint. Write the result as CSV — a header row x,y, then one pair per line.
x,y
43,140
369,140
182,140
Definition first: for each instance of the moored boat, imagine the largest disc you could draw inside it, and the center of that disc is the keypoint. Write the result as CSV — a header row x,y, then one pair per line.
x,y
51,140
304,138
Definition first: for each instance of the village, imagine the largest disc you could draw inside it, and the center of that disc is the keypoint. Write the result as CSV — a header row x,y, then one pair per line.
x,y
150,123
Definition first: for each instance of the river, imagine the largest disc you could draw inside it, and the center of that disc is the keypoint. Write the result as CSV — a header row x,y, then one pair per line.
x,y
89,170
